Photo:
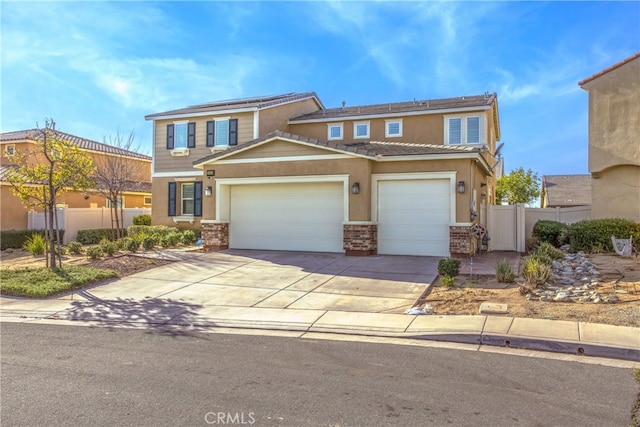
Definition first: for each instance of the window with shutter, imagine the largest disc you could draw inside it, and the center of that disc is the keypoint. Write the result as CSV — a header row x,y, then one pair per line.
x,y
170,143
191,135
187,198
172,199
211,132
455,131
233,132
222,133
180,136
197,198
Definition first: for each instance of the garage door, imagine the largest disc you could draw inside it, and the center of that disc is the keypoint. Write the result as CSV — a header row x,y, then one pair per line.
x,y
413,217
295,217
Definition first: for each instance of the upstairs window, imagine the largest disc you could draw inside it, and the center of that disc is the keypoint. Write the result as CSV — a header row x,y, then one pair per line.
x,y
393,128
464,130
9,150
361,130
222,132
334,131
181,135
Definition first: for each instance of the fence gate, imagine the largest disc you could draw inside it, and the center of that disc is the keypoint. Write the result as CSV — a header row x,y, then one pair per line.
x,y
505,225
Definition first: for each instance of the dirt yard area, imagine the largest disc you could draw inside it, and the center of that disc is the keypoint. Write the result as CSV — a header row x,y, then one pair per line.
x,y
618,276
123,264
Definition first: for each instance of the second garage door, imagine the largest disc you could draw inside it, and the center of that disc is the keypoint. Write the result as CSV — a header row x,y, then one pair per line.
x,y
413,217
295,217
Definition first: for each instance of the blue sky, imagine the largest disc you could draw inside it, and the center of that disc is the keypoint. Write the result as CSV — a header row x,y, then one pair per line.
x,y
99,67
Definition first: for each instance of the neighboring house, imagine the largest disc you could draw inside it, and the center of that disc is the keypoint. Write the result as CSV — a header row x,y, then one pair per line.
x,y
399,178
563,191
614,140
13,214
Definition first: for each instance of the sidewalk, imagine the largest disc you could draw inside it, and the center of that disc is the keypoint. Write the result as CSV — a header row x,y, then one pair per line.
x,y
304,292
587,339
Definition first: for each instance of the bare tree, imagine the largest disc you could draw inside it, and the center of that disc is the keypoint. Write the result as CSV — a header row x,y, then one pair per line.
x,y
115,174
53,166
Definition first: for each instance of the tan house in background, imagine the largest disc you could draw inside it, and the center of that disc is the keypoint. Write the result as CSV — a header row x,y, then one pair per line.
x,y
13,215
614,140
564,191
285,173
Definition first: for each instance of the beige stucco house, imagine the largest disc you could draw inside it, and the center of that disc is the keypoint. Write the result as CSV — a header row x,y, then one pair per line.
x,y
614,140
13,214
286,173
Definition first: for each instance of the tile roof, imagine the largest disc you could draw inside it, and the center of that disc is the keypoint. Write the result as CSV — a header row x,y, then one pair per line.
x,y
258,102
371,149
418,106
83,143
130,186
567,190
608,69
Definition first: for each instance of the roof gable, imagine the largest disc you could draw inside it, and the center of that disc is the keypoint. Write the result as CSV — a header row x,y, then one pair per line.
x,y
609,69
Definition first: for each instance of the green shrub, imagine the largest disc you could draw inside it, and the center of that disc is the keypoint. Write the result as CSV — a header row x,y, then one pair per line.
x,y
447,281
136,230
188,237
143,219
504,272
75,248
449,267
14,239
548,231
35,244
174,238
550,251
108,247
130,244
542,258
95,235
93,252
536,272
594,235
148,243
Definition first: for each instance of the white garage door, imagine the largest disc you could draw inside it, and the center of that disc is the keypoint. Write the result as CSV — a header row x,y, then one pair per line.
x,y
413,217
295,217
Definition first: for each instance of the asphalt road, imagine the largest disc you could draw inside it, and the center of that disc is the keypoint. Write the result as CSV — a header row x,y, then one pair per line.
x,y
79,376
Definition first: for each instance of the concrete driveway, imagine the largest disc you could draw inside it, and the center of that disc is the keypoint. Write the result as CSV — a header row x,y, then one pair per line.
x,y
270,279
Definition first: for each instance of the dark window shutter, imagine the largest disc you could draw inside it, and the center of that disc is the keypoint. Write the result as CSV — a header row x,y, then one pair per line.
x,y
172,199
169,137
211,133
233,132
191,135
197,198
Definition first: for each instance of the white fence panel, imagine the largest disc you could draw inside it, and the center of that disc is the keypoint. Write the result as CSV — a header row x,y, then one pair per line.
x,y
505,228
74,219
565,215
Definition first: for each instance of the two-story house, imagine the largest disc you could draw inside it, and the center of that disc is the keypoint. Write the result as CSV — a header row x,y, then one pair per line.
x,y
614,140
13,214
398,178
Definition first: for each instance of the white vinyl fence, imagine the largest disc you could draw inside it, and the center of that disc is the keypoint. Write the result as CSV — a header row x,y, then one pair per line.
x,y
509,226
73,219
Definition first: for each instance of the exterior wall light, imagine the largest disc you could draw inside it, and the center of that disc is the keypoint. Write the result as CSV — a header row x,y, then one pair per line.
x,y
460,187
355,188
208,191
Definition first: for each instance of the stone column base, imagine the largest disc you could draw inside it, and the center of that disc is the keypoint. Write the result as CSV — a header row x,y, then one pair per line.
x,y
215,236
459,241
360,239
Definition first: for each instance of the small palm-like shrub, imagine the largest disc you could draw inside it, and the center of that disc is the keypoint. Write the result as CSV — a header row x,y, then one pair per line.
x,y
108,247
93,252
550,251
536,272
504,272
35,244
447,281
74,248
449,267
188,237
130,244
